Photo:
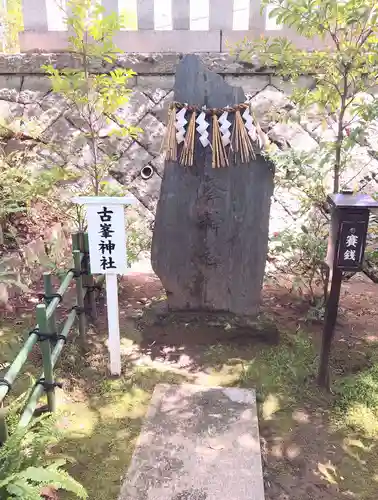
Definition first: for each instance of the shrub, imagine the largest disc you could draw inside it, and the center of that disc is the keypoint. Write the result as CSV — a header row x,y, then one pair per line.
x,y
25,467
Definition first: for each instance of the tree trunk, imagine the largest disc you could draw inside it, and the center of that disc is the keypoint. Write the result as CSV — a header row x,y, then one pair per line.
x,y
211,229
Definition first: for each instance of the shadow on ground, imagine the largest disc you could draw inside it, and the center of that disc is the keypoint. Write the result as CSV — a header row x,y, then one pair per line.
x,y
313,446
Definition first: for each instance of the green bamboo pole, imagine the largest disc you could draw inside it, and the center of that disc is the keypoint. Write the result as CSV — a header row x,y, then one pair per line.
x,y
31,405
3,426
91,295
17,364
61,291
48,292
43,325
80,295
26,349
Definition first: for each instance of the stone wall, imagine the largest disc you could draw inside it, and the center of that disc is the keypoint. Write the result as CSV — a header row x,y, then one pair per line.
x,y
26,94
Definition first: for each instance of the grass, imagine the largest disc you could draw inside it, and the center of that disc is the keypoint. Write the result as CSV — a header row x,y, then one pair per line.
x,y
12,335
100,432
338,431
356,405
101,417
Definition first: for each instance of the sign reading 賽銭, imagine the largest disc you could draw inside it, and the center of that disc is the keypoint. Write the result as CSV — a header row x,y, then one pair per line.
x,y
351,244
107,239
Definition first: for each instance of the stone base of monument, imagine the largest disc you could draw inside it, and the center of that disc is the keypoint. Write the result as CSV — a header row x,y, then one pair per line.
x,y
159,326
197,443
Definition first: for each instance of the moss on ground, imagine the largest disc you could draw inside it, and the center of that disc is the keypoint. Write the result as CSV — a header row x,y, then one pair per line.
x,y
100,432
102,416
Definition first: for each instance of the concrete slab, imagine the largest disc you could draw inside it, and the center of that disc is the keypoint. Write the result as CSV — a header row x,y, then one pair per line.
x,y
197,443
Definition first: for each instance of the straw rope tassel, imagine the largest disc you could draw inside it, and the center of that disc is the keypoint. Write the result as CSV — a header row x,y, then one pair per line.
x,y
170,142
219,158
187,153
241,142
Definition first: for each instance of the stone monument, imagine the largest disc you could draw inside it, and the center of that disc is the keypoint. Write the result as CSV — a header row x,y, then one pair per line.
x,y
211,229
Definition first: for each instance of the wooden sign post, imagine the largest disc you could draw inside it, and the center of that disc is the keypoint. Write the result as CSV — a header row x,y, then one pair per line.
x,y
346,248
108,255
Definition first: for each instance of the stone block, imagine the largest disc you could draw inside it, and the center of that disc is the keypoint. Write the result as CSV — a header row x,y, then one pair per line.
x,y
115,145
147,191
250,84
131,82
60,132
8,95
38,121
156,87
160,111
216,255
53,100
197,443
133,111
153,63
37,83
144,63
46,41
159,163
282,85
266,104
57,240
11,82
231,37
153,134
169,41
307,82
4,294
130,164
34,253
139,212
156,95
46,157
28,96
14,144
293,135
309,120
9,111
165,82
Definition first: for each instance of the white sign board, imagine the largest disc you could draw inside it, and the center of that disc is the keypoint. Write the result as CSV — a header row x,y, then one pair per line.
x,y
108,255
107,239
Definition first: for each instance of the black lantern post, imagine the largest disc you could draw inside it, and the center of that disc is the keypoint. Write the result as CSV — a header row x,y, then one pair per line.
x,y
346,247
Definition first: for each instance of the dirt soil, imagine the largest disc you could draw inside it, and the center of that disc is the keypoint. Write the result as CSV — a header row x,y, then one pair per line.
x,y
304,458
24,227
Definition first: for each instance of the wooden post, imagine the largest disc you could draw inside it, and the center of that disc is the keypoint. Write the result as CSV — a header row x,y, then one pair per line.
x,y
113,323
3,426
108,255
89,282
329,327
346,247
43,326
48,293
80,296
